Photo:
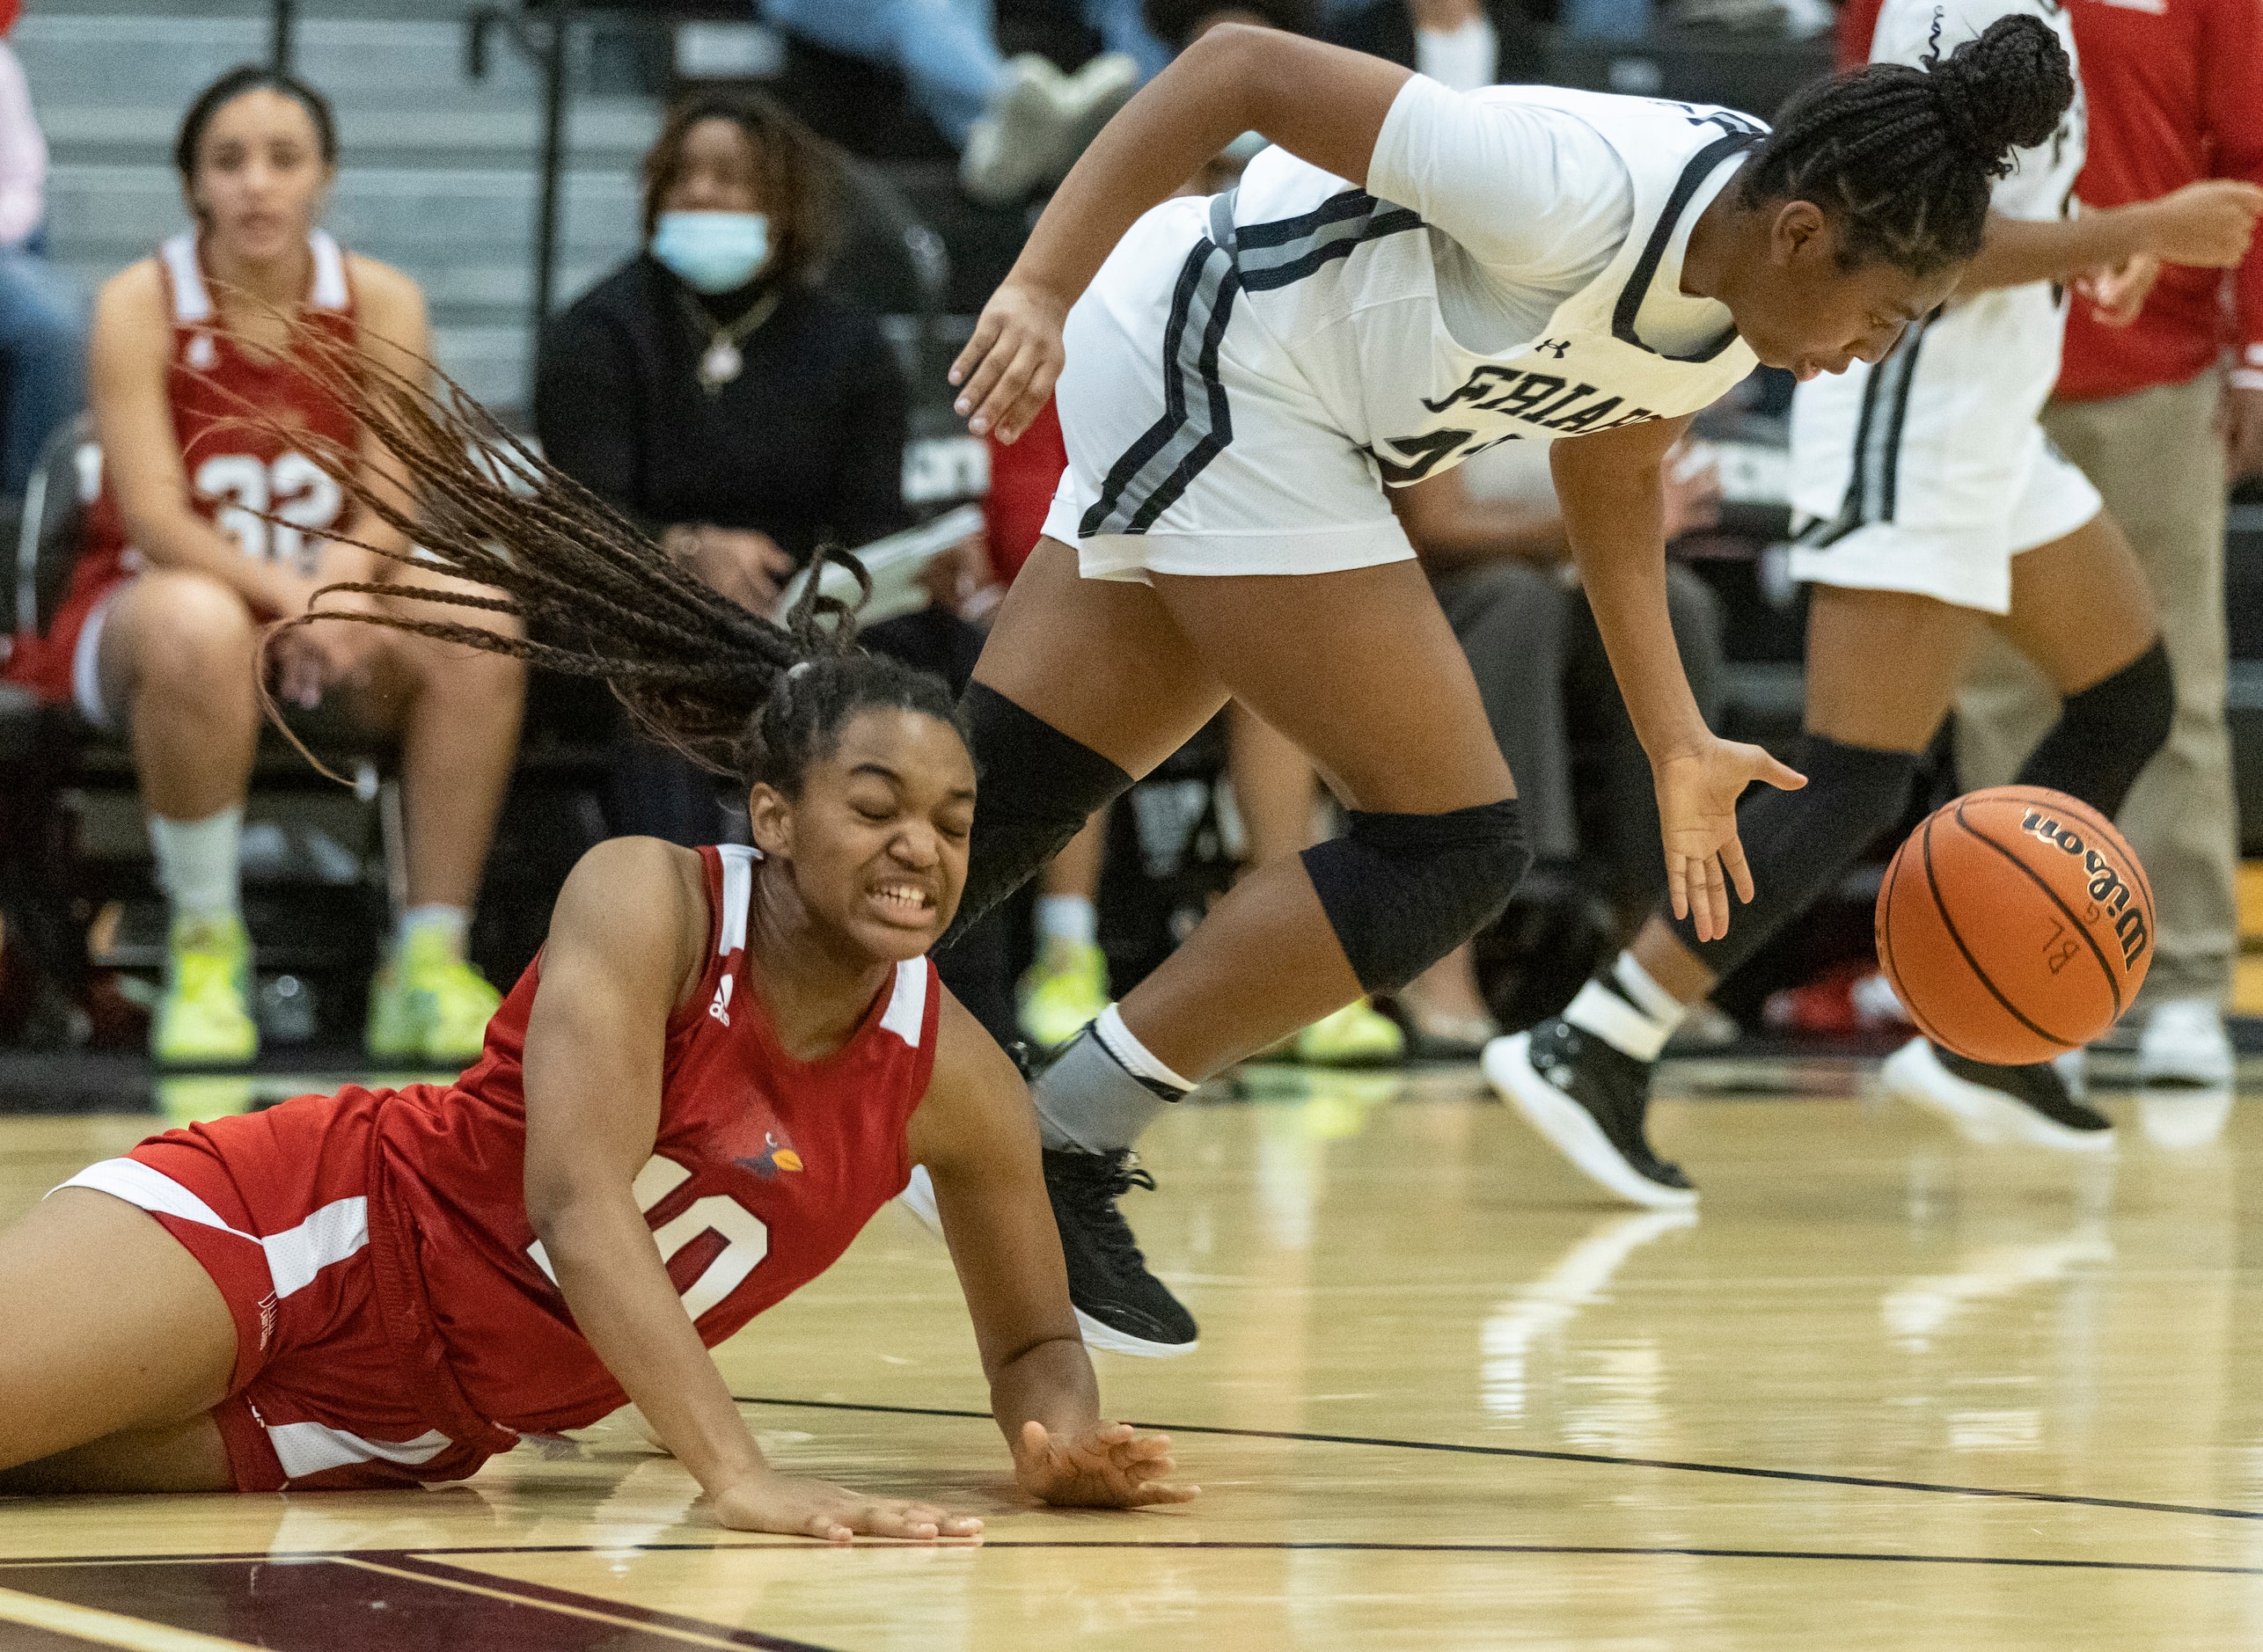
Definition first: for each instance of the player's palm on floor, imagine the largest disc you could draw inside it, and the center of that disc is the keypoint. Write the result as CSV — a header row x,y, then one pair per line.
x,y
815,1508
1697,798
1106,1466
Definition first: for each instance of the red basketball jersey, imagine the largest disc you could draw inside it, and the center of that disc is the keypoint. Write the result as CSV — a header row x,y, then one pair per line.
x,y
764,1168
235,472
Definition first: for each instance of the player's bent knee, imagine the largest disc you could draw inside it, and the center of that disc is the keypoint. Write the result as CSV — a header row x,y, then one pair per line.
x,y
185,629
1039,786
1403,890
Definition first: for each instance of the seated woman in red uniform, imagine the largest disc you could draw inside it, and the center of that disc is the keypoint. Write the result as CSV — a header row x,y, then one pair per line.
x,y
206,528
724,1063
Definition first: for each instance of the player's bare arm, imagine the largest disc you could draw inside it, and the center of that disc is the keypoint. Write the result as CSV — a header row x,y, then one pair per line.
x,y
624,952
1321,103
129,350
977,1133
1613,498
2208,224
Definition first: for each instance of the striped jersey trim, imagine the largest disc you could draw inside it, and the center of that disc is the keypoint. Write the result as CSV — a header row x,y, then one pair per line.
x,y
1198,421
1873,482
1701,167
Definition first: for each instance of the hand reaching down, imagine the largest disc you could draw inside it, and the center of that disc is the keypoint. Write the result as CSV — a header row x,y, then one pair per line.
x,y
1107,1465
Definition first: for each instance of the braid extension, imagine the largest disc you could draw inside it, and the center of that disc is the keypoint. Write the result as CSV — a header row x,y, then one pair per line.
x,y
1901,158
728,689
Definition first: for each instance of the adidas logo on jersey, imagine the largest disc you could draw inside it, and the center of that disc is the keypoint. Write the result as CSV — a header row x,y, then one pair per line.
x,y
721,1009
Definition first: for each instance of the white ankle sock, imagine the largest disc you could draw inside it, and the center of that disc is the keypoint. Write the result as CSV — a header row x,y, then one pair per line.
x,y
1132,1055
453,922
1069,918
197,862
1634,1015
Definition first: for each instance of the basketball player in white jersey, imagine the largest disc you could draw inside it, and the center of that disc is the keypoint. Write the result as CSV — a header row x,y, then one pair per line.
x,y
1408,276
1934,508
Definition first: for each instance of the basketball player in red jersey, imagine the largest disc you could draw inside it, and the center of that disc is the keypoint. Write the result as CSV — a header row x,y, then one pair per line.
x,y
722,1064
206,528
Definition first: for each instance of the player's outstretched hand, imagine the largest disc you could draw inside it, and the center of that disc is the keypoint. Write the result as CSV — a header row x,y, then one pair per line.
x,y
813,1509
1008,367
2209,223
1697,794
1107,1465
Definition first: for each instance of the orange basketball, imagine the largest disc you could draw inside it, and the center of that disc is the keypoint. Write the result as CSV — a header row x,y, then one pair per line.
x,y
2016,925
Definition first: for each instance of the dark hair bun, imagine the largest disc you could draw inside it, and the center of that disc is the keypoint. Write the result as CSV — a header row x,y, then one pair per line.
x,y
2005,90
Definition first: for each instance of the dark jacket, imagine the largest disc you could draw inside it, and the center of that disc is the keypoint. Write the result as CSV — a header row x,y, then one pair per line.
x,y
806,444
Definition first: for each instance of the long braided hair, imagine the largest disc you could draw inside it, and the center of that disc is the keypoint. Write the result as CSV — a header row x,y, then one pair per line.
x,y
1901,158
735,692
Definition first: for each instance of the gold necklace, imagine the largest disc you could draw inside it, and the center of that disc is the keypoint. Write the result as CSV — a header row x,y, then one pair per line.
x,y
721,361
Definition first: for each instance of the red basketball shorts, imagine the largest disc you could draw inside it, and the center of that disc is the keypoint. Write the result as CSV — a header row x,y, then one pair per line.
x,y
276,1205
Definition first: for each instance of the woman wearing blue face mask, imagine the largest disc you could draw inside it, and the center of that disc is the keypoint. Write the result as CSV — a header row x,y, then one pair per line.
x,y
706,388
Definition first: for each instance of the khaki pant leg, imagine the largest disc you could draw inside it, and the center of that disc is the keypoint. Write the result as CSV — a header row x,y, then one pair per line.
x,y
2156,457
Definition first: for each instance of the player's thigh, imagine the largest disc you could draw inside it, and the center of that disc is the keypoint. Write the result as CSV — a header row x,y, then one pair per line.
x,y
1883,666
1102,660
111,1327
1358,667
2081,608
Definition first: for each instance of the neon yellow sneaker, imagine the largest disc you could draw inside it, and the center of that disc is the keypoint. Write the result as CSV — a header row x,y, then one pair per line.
x,y
1067,987
204,1019
1357,1036
428,1005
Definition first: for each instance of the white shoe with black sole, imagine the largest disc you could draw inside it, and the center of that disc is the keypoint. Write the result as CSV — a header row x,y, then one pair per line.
x,y
1587,1100
2032,1105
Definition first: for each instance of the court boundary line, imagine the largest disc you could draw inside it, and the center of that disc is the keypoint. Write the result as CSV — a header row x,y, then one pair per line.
x,y
415,1563
1537,1454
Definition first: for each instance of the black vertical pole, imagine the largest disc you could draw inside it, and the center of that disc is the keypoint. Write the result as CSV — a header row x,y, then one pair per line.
x,y
553,161
280,41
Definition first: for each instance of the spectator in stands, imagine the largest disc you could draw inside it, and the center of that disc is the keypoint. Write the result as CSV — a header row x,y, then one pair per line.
x,y
1464,44
1015,122
2175,94
42,326
214,367
714,393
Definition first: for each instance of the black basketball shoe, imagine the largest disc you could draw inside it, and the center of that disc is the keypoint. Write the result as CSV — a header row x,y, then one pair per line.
x,y
1996,1104
1119,1304
1587,1100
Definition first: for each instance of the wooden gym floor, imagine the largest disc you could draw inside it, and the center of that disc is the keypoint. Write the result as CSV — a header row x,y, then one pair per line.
x,y
1889,1389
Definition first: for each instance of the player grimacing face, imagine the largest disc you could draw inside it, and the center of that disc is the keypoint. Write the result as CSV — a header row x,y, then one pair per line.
x,y
876,842
260,178
1800,309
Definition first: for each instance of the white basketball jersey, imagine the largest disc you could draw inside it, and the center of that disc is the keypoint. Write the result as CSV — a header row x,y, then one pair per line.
x,y
1354,283
1941,434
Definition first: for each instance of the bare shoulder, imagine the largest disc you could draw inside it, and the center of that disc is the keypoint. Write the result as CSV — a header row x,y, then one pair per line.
x,y
641,900
975,1088
390,303
135,297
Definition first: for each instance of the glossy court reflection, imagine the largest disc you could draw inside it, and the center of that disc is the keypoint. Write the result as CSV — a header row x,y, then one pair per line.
x,y
1888,1388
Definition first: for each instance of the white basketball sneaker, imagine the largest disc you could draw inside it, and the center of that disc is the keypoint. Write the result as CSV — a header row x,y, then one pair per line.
x,y
2183,1043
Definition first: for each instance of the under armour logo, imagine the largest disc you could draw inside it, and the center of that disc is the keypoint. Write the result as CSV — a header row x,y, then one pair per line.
x,y
1557,345
721,1009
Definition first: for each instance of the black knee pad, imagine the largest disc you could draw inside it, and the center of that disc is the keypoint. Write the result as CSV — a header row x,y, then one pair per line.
x,y
1037,787
2108,734
1403,890
1799,843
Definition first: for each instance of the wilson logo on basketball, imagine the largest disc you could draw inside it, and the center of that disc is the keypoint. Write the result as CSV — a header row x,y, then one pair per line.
x,y
2107,887
2014,925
